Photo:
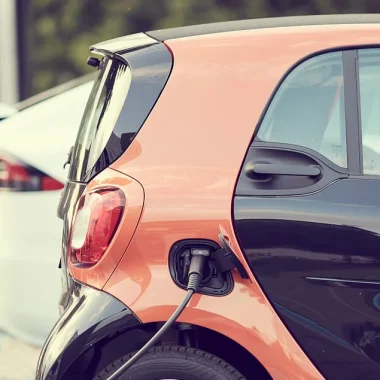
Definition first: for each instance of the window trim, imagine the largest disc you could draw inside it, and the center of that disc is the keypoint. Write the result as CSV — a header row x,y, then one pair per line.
x,y
352,111
356,129
363,175
300,148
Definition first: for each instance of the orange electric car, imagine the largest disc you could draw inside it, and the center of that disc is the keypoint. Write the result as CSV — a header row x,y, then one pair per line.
x,y
222,208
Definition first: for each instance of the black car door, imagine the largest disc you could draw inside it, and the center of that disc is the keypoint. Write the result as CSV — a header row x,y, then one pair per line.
x,y
307,209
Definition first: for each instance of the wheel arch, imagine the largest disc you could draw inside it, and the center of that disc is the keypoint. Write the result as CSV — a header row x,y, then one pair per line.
x,y
119,344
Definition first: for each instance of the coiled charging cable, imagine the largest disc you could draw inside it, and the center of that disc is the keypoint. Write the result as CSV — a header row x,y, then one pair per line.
x,y
198,260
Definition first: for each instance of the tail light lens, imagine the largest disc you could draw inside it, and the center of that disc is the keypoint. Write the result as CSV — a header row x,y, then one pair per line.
x,y
16,175
94,225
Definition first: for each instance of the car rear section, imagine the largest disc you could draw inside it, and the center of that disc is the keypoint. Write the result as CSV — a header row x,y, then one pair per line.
x,y
132,72
154,171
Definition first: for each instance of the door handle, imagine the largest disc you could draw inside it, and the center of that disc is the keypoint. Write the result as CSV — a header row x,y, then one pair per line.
x,y
283,169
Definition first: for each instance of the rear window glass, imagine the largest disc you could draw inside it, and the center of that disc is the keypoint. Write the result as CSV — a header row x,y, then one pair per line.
x,y
97,144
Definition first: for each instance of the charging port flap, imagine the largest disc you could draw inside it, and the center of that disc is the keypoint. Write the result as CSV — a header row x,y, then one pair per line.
x,y
227,259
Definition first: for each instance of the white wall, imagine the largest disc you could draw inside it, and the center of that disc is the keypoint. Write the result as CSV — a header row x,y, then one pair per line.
x,y
8,52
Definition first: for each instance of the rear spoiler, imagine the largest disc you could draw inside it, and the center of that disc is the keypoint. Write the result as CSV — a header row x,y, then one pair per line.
x,y
122,45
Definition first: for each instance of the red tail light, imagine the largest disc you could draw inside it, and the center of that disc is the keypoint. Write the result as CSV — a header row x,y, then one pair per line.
x,y
16,175
95,223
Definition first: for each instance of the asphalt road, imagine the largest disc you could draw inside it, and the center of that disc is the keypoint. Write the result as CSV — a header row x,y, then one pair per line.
x,y
17,360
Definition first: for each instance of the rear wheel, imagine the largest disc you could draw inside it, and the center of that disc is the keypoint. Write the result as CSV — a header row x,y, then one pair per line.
x,y
174,363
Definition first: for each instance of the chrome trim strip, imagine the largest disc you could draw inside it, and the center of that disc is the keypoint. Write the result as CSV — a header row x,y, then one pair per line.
x,y
123,44
345,282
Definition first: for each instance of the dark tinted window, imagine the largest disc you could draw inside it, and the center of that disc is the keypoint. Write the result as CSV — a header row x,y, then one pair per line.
x,y
97,146
121,100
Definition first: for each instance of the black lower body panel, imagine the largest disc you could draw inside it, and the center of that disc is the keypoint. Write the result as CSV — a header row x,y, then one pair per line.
x,y
317,258
90,316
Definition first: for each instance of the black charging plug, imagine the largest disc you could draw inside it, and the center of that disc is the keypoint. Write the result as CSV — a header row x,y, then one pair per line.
x,y
199,257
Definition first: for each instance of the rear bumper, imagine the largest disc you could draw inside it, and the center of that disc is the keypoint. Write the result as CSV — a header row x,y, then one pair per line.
x,y
90,316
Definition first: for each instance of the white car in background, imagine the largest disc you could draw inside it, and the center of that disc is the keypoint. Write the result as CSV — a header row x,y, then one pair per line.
x,y
34,143
6,111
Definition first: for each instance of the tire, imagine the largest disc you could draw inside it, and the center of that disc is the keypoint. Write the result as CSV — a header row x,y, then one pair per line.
x,y
174,362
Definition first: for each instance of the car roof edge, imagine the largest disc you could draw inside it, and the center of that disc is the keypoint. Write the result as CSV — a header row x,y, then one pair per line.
x,y
262,23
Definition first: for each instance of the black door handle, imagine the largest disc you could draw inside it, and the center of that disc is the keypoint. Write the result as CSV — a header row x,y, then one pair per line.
x,y
283,169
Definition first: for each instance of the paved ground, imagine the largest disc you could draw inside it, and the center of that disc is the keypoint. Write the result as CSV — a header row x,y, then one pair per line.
x,y
17,360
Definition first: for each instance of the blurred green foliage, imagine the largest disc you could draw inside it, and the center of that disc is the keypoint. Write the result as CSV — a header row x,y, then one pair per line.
x,y
63,30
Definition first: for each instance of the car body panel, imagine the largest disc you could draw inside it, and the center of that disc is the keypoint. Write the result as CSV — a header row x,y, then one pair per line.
x,y
187,159
313,248
317,259
189,187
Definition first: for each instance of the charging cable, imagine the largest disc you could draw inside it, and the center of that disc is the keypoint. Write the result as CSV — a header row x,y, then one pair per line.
x,y
199,257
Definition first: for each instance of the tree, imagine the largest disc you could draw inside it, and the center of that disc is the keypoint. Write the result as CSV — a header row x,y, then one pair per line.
x,y
63,30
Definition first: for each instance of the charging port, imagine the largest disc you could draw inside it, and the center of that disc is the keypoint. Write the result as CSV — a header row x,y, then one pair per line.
x,y
214,282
